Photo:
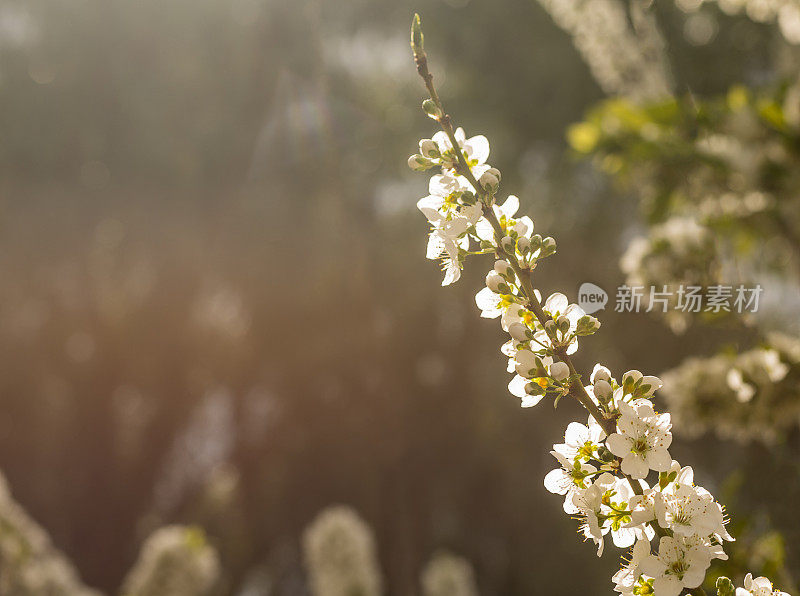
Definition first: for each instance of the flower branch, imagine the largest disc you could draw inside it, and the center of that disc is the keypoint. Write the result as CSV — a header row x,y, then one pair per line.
x,y
604,464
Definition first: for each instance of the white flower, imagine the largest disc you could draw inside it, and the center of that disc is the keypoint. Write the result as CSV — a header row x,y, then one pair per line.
x,y
519,387
566,480
448,237
515,228
447,574
689,510
626,578
475,149
759,586
589,503
679,564
562,312
581,441
604,508
340,554
744,391
492,304
643,508
641,440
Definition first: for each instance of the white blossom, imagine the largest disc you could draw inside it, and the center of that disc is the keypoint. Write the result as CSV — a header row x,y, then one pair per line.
x,y
641,440
522,227
448,575
625,579
689,510
340,554
678,564
759,586
581,441
567,479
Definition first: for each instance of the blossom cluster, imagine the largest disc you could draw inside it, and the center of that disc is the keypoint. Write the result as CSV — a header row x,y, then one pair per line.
x,y
747,396
341,554
615,472
621,45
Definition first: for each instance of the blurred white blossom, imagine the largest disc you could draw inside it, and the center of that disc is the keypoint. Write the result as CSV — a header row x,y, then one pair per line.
x,y
340,555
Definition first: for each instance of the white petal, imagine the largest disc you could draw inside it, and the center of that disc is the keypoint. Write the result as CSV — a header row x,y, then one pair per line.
x,y
634,466
557,481
531,400
435,246
556,303
659,460
517,386
623,538
485,231
452,273
477,148
618,445
442,185
510,207
488,302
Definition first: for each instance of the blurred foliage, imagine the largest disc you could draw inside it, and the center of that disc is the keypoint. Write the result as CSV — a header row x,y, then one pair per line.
x,y
715,175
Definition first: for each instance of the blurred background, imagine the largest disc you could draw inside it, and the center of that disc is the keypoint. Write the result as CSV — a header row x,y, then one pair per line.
x,y
215,309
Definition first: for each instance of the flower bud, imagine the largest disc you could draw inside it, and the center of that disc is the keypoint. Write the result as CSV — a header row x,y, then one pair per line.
x,y
601,374
562,323
559,371
489,180
503,268
629,381
725,587
508,244
605,455
550,327
548,246
429,148
534,389
519,331
419,163
536,242
523,245
496,283
468,198
587,325
525,363
603,390
431,109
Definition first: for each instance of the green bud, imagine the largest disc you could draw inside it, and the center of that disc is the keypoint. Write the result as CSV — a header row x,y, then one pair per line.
x,y
431,109
417,39
468,198
587,325
664,478
419,163
548,246
604,454
725,587
562,324
534,389
489,181
507,242
429,148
